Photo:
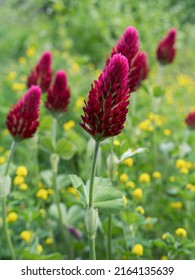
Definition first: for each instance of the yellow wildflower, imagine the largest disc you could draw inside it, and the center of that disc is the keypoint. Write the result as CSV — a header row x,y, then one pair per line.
x,y
123,178
12,75
22,60
22,171
164,258
184,170
176,205
18,86
172,179
18,180
5,132
157,175
167,132
30,51
144,125
73,191
48,241
42,194
26,235
165,235
50,191
12,217
42,213
2,160
140,210
128,162
69,125
130,184
23,187
138,250
137,194
76,67
117,142
79,103
180,163
148,224
39,248
144,178
181,232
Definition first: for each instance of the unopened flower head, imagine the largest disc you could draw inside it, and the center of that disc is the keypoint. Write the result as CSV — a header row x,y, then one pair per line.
x,y
22,120
166,51
190,120
128,45
107,106
58,96
41,75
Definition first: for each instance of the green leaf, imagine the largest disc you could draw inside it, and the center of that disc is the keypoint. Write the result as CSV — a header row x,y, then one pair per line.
x,y
65,149
106,197
46,123
26,255
46,144
5,186
158,91
80,186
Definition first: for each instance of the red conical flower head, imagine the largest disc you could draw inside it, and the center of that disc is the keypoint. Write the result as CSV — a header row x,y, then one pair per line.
x,y
166,51
190,120
41,75
58,96
107,106
22,120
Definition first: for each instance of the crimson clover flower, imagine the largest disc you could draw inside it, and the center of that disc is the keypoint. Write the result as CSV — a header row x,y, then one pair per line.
x,y
166,51
22,119
58,95
41,75
107,106
128,45
190,120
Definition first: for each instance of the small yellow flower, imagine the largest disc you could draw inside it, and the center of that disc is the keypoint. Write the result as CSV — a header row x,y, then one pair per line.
x,y
22,171
11,76
149,223
22,60
172,179
189,164
18,180
190,187
69,125
157,175
165,235
138,250
48,241
145,125
123,178
176,204
144,178
50,191
150,128
42,194
76,67
79,103
30,51
140,210
137,194
180,163
26,235
125,200
42,213
39,248
23,187
73,191
184,171
117,142
2,160
167,132
5,132
163,258
181,232
12,217
18,86
128,162
130,184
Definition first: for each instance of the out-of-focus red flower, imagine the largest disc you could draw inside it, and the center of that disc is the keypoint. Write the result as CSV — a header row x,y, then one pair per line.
x,y
107,106
41,75
128,45
58,95
22,120
166,50
190,120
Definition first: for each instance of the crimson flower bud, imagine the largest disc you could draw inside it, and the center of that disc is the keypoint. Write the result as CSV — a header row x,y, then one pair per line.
x,y
166,51
58,95
190,120
22,120
41,75
107,106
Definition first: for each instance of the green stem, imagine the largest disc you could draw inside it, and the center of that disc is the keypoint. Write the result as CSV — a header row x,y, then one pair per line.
x,y
97,144
110,237
91,186
4,203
